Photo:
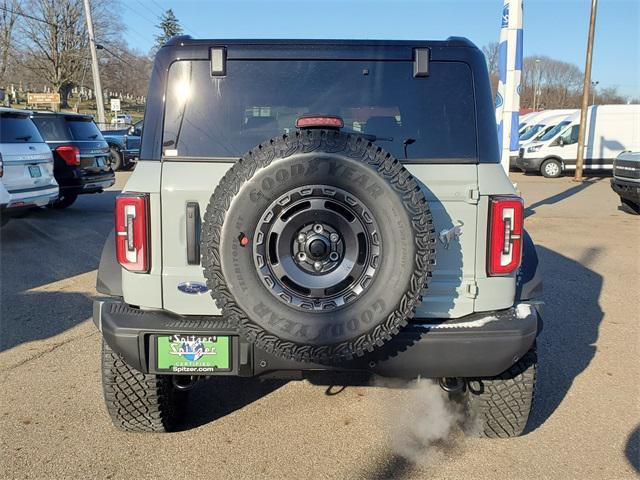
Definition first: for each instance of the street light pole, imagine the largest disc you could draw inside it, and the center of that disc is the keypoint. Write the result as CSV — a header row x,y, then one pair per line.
x,y
593,92
94,65
585,93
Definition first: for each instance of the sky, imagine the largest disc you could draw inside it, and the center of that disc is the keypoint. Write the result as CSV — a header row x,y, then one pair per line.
x,y
555,28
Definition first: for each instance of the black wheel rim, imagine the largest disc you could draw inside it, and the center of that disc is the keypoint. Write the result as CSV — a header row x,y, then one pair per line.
x,y
317,248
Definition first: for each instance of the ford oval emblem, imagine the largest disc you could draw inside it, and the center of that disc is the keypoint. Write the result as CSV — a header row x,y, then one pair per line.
x,y
193,288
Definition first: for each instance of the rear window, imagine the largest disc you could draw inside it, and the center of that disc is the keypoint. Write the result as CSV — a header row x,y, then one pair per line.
x,y
58,128
227,116
17,128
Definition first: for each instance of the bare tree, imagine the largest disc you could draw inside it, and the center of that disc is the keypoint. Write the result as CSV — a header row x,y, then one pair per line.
x,y
491,54
8,18
57,42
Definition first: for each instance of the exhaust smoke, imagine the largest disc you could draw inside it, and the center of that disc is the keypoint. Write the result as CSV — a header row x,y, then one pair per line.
x,y
424,424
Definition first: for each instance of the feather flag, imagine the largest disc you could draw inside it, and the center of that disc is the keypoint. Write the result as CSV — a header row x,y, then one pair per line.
x,y
510,70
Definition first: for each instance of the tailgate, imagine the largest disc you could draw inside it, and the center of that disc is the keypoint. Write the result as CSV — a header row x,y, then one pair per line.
x,y
450,190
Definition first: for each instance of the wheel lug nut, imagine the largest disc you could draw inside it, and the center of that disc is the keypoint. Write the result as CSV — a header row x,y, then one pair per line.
x,y
302,237
317,228
334,237
333,256
317,266
302,256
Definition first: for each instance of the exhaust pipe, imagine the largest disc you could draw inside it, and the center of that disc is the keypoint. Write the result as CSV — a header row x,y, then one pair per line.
x,y
451,384
184,382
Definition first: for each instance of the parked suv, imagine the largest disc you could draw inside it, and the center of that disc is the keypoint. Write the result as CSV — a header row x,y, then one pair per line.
x,y
80,154
303,209
124,145
26,165
626,180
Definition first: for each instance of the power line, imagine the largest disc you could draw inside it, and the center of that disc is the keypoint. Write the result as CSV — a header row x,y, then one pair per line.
x,y
27,16
163,9
144,17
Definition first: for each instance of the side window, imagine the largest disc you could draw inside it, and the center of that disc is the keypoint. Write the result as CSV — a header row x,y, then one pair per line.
x,y
571,136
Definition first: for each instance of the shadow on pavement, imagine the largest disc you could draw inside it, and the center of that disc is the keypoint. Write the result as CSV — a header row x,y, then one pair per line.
x,y
572,317
632,449
558,197
217,397
45,247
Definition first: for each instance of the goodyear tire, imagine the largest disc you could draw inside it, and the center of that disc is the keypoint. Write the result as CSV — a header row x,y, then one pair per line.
x,y
318,246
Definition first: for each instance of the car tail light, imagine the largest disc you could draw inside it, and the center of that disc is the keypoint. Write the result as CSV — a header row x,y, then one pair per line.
x,y
132,232
505,235
1,166
319,121
70,155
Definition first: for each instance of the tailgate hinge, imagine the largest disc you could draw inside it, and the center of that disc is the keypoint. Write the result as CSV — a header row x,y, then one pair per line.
x,y
473,194
471,289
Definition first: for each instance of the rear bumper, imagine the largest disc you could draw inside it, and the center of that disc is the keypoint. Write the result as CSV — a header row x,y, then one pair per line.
x,y
16,201
529,164
626,189
478,345
88,183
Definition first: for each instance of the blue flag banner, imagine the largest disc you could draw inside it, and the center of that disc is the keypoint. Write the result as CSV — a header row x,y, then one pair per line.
x,y
510,71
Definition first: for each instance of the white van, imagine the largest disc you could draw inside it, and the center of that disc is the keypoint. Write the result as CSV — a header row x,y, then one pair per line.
x,y
524,121
543,125
540,121
611,129
26,165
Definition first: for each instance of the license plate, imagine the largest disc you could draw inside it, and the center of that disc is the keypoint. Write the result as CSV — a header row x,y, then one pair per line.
x,y
34,171
194,354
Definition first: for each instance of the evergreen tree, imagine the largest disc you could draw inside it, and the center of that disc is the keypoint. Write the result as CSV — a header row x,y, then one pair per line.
x,y
169,26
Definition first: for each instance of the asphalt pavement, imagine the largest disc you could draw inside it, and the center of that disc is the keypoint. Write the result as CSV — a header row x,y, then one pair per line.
x,y
585,422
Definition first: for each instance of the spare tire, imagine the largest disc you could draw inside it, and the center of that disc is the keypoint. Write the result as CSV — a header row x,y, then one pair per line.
x,y
318,245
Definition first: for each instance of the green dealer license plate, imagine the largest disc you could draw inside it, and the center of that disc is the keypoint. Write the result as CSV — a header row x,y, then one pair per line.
x,y
193,353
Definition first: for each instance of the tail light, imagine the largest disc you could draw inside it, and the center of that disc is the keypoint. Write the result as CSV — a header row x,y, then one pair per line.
x,y
70,155
132,232
505,235
1,166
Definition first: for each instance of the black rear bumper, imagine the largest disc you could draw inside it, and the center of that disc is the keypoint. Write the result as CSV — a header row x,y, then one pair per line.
x,y
478,345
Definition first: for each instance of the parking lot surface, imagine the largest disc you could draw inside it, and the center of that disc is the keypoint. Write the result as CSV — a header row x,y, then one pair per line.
x,y
585,422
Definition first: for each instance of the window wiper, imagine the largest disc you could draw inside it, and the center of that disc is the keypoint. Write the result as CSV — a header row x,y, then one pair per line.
x,y
93,137
371,137
26,138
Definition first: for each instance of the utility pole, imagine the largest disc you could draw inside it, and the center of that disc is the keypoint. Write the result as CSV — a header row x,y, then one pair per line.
x,y
536,82
585,93
94,66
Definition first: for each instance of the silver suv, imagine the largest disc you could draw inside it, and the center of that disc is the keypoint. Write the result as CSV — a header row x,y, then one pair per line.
x,y
305,209
26,166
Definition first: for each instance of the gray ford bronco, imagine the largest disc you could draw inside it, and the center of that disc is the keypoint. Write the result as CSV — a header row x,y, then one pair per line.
x,y
319,210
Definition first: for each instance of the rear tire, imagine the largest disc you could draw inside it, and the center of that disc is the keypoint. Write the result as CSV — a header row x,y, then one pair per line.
x,y
139,402
499,407
116,159
551,168
63,201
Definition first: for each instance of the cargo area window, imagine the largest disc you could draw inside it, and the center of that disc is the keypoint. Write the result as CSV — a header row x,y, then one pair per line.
x,y
213,117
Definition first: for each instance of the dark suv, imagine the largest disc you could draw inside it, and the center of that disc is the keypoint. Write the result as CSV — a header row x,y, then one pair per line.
x,y
80,154
124,145
309,209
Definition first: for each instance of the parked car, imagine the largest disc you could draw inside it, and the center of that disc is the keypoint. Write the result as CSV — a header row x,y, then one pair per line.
x,y
368,228
124,145
26,165
121,119
80,154
611,129
626,180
